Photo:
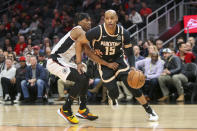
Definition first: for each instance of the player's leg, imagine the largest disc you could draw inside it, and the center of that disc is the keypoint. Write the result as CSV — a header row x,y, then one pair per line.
x,y
137,93
113,92
83,111
65,73
109,81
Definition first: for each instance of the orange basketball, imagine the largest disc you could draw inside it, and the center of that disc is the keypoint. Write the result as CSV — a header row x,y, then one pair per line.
x,y
136,79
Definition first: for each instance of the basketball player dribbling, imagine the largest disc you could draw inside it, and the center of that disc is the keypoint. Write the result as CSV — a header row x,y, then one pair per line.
x,y
60,65
108,40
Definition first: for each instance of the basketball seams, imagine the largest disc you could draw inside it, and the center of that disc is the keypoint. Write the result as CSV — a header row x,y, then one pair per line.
x,y
138,79
130,78
135,79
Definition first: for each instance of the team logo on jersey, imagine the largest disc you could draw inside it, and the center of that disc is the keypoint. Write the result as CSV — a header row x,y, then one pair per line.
x,y
64,70
119,37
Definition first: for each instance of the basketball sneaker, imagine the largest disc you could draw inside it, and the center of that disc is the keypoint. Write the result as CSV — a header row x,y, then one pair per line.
x,y
113,103
68,116
85,114
153,116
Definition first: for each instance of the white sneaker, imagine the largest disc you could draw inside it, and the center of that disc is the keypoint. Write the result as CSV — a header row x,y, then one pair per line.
x,y
17,99
153,116
7,97
113,103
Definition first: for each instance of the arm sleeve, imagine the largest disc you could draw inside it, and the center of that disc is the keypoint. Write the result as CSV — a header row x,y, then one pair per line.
x,y
93,34
128,51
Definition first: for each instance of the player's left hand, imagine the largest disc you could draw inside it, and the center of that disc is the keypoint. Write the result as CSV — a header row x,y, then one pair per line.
x,y
133,68
80,68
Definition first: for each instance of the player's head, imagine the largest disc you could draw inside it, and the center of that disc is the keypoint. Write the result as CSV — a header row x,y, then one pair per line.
x,y
83,19
111,18
154,57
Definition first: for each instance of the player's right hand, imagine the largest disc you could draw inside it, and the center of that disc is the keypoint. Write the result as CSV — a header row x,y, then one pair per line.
x,y
113,65
80,68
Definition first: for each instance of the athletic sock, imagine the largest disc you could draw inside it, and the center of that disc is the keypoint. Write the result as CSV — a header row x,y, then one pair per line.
x,y
148,108
83,101
69,102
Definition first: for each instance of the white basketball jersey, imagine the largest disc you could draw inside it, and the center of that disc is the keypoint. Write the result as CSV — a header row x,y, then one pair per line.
x,y
64,50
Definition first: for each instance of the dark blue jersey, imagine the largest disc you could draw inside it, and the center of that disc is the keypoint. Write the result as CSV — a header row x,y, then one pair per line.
x,y
111,46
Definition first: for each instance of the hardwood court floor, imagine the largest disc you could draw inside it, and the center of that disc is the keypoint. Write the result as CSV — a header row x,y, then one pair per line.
x,y
125,118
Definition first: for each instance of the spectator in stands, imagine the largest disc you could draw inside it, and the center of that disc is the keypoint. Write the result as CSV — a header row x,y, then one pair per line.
x,y
13,58
138,5
2,67
135,18
8,79
2,32
36,49
63,88
41,59
2,62
27,57
28,49
25,29
20,76
144,49
116,5
159,45
48,52
172,74
1,51
192,41
145,11
55,40
58,27
194,45
153,67
188,46
5,53
35,79
186,57
137,55
20,46
151,49
127,23
7,44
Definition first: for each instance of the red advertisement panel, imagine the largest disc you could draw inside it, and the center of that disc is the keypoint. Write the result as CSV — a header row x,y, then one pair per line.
x,y
190,23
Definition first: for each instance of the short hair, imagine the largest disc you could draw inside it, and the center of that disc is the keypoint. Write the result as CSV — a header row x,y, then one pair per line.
x,y
9,59
80,16
180,44
154,53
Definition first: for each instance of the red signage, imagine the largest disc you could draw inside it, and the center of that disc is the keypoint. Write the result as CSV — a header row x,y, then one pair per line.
x,y
190,23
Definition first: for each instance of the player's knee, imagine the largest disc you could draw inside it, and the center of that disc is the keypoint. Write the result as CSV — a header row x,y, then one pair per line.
x,y
136,92
112,92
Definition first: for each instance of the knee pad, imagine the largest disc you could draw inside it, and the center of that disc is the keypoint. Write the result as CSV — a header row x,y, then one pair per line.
x,y
136,92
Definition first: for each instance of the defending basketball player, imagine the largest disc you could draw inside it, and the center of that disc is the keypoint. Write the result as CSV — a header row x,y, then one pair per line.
x,y
60,65
108,40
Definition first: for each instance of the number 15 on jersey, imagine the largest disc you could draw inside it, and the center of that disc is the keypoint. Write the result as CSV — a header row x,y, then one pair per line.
x,y
109,50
